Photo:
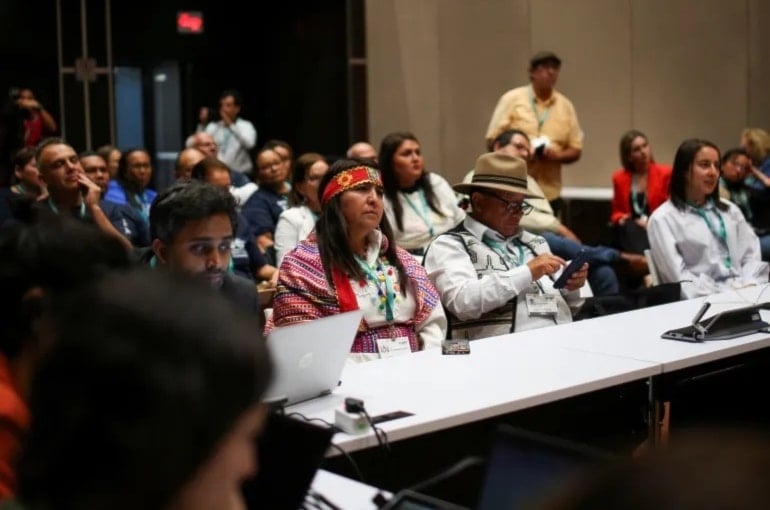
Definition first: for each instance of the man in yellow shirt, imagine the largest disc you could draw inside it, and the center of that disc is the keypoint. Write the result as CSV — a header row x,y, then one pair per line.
x,y
548,118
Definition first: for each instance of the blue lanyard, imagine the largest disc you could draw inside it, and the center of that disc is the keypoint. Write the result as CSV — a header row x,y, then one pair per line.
x,y
720,234
55,209
542,117
384,286
502,250
425,213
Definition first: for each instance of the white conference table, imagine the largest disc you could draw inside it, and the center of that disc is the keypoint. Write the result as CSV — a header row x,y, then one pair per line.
x,y
636,334
346,493
500,376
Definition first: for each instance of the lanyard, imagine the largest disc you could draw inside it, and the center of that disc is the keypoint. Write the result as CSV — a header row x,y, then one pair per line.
x,y
384,286
720,234
55,209
425,213
640,207
542,117
502,250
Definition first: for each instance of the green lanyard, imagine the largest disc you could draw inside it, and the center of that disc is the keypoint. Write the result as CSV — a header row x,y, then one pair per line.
x,y
377,276
640,209
541,118
503,251
720,234
55,209
425,213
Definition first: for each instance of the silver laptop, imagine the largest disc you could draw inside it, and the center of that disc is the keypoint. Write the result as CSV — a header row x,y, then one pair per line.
x,y
309,356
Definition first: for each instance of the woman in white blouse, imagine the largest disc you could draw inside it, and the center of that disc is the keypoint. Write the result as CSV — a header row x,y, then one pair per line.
x,y
296,222
698,239
419,204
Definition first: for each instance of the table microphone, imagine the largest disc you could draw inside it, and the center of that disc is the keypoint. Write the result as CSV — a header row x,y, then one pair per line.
x,y
700,331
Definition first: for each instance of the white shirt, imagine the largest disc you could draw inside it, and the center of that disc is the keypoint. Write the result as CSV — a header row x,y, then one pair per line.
x,y
234,142
432,331
294,225
243,193
684,249
417,218
467,296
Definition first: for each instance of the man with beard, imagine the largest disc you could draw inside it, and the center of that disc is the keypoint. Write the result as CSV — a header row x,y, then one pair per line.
x,y
192,225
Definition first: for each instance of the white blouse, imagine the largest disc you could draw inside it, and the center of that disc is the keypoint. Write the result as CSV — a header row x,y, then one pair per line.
x,y
294,225
686,247
432,331
418,219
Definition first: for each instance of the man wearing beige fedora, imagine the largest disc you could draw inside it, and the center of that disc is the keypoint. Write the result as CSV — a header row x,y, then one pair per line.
x,y
493,277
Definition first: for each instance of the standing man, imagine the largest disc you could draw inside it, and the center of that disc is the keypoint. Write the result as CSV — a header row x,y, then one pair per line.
x,y
548,118
234,136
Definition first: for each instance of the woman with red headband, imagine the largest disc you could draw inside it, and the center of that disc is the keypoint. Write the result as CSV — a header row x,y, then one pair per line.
x,y
350,263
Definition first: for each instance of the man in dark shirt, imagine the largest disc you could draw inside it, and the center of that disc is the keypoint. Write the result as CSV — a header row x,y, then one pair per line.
x,y
70,190
125,219
192,226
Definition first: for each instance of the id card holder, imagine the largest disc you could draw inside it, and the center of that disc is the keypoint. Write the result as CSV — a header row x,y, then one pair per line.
x,y
541,304
390,347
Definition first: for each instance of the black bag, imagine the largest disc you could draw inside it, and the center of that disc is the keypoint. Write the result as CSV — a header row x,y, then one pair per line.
x,y
599,306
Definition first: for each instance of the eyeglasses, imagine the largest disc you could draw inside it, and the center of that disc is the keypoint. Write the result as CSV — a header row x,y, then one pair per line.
x,y
513,207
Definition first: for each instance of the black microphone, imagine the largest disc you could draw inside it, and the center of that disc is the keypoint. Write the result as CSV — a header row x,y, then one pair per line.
x,y
700,331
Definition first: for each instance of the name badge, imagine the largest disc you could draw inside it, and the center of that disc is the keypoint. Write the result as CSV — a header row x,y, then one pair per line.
x,y
390,347
542,304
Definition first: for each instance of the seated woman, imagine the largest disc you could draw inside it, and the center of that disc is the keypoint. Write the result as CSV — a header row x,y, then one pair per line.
x,y
638,189
125,414
264,207
696,238
350,263
756,143
130,187
419,204
296,222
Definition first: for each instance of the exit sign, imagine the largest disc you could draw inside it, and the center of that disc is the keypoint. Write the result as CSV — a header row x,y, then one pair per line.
x,y
189,22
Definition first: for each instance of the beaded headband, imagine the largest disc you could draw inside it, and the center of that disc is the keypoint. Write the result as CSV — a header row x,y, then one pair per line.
x,y
348,179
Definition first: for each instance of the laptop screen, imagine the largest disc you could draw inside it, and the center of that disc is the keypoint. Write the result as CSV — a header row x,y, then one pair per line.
x,y
524,467
289,451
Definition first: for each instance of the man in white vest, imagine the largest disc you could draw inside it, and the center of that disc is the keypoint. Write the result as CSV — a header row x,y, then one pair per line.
x,y
494,277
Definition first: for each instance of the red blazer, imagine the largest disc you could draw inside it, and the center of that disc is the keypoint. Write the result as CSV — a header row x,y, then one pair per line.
x,y
658,178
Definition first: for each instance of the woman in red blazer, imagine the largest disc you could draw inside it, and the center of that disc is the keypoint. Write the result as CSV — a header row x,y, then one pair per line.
x,y
638,189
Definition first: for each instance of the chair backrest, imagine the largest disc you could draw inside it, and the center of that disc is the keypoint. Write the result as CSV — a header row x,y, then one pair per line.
x,y
651,265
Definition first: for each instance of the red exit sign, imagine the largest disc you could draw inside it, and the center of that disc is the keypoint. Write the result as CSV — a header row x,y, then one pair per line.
x,y
189,22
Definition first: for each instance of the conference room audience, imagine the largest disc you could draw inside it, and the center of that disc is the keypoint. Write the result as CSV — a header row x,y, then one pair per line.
x,y
284,150
185,161
698,239
150,397
638,188
296,222
494,277
419,204
38,262
350,262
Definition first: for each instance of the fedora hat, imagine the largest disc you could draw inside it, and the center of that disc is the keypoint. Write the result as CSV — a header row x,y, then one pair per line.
x,y
498,171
